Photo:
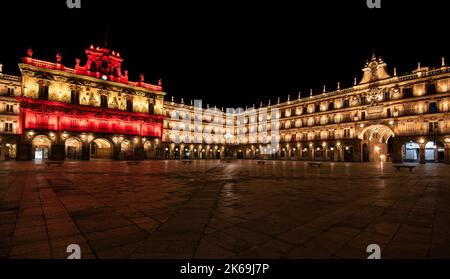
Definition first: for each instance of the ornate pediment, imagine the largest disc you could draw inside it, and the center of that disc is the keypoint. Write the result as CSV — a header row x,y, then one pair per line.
x,y
374,70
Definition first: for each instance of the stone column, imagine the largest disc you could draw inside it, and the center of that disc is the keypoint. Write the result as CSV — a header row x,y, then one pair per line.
x,y
447,154
3,151
85,154
58,148
116,151
139,152
422,153
396,155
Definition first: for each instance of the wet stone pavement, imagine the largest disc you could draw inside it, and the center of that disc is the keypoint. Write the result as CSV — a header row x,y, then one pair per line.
x,y
212,209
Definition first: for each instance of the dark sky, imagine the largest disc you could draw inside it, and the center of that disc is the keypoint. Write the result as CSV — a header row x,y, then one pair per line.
x,y
232,53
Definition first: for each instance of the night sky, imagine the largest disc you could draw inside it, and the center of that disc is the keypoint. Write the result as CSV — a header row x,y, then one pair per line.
x,y
229,53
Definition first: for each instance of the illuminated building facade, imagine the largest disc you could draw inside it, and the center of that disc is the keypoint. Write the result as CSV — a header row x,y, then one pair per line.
x,y
90,111
93,111
10,87
381,118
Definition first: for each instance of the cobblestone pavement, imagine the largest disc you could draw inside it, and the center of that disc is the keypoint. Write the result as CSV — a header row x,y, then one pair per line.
x,y
210,209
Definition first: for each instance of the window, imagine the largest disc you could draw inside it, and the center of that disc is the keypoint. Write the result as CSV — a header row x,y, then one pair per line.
x,y
8,127
43,92
74,97
103,101
151,108
11,92
433,127
388,113
431,88
363,115
9,108
129,105
317,108
386,96
407,91
331,134
93,67
346,133
363,100
346,103
330,105
432,107
305,110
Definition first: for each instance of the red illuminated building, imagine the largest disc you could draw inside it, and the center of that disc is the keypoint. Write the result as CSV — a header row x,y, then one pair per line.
x,y
90,111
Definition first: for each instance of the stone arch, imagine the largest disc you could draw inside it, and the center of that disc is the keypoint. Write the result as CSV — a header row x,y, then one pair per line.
x,y
73,148
8,148
101,148
374,143
383,131
41,147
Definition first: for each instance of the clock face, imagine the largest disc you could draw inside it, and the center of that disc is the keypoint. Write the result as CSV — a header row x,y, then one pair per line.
x,y
104,77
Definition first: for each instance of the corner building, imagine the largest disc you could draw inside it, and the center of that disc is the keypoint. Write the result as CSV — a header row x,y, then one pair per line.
x,y
90,111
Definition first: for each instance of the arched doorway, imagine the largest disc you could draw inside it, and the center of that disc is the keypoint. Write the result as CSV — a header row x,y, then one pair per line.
x,y
319,153
73,148
41,147
126,150
374,143
186,153
240,155
8,149
434,151
149,150
410,152
166,153
176,153
101,149
203,154
348,154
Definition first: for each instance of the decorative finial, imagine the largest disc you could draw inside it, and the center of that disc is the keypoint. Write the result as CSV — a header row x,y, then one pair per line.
x,y
339,86
30,52
207,106
395,72
222,109
191,103
299,95
142,77
58,58
374,57
172,99
269,103
182,100
418,66
356,81
160,83
443,61
289,98
324,88
260,104
278,100
310,93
